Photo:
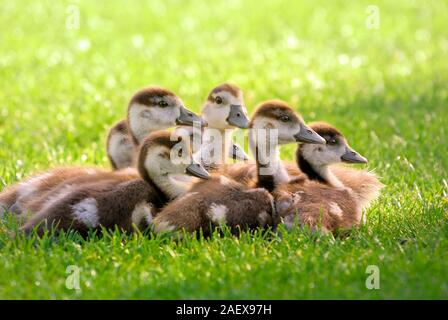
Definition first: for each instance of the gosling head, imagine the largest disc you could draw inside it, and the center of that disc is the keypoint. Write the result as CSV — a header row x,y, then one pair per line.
x,y
155,108
278,115
225,109
335,150
162,154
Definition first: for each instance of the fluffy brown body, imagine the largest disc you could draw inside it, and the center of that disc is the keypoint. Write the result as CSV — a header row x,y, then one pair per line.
x,y
114,207
364,183
318,206
17,196
215,202
70,184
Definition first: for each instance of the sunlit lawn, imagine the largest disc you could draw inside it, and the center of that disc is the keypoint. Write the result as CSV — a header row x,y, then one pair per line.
x,y
385,88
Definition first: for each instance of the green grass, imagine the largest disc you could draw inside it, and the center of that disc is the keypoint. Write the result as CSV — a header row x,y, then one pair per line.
x,y
386,89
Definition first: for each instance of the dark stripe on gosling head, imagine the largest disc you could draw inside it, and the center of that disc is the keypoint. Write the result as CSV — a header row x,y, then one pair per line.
x,y
325,129
228,87
148,96
275,109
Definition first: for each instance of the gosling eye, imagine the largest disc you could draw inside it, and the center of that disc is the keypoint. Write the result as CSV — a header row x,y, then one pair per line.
x,y
179,153
218,100
284,118
332,142
163,103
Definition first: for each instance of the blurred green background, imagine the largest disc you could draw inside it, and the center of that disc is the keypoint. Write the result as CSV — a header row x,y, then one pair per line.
x,y
377,71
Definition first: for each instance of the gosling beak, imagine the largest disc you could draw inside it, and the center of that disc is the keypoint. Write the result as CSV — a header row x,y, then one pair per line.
x,y
187,117
237,117
308,135
195,169
351,156
238,153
